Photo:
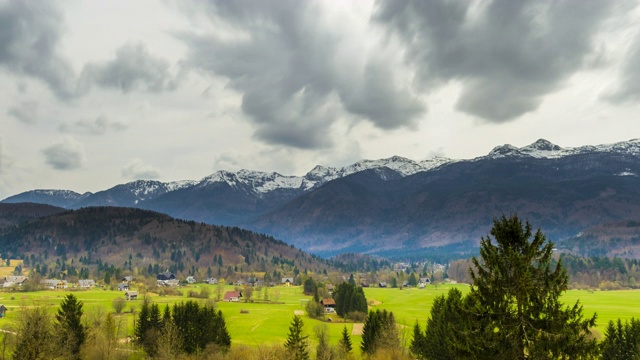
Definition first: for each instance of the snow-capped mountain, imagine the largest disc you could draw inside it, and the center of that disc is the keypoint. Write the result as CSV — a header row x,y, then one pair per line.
x,y
398,202
61,198
544,149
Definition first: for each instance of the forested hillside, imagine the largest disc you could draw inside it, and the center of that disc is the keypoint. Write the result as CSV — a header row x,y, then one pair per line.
x,y
104,242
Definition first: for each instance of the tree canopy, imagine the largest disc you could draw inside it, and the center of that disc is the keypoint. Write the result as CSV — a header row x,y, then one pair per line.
x,y
513,310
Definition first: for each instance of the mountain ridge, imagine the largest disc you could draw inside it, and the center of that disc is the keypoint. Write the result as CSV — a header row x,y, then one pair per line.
x,y
397,203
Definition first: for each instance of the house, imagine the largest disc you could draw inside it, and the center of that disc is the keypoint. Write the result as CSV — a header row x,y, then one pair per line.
x,y
211,281
364,284
123,287
382,284
239,283
86,284
16,280
47,283
53,284
191,280
287,281
165,276
329,305
424,280
131,295
3,310
232,296
127,279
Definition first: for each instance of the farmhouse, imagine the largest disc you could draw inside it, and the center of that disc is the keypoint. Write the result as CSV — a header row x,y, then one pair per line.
x,y
14,280
382,284
165,276
329,305
232,296
127,279
86,284
211,281
287,281
191,280
54,284
123,287
131,295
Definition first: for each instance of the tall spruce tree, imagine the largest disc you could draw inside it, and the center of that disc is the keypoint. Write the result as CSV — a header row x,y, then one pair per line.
x,y
515,299
69,326
297,343
345,343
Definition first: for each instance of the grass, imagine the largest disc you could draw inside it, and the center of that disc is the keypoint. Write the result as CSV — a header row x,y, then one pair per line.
x,y
257,324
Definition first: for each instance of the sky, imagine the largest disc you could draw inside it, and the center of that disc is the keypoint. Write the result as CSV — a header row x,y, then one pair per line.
x,y
99,93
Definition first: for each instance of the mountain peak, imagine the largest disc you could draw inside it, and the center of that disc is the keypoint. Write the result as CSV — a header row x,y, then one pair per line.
x,y
543,145
504,150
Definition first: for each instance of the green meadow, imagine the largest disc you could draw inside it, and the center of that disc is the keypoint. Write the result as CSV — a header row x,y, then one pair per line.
x,y
257,324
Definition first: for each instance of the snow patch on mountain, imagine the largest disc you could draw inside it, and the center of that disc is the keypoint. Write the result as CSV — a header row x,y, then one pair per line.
x,y
261,182
181,184
544,149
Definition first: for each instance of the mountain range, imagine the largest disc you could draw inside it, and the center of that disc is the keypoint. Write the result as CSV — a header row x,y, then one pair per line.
x,y
397,205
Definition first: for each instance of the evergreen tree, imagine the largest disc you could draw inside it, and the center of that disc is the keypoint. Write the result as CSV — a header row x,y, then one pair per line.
x,y
445,335
142,325
345,342
413,280
418,342
515,299
297,343
621,341
379,332
69,325
309,286
349,298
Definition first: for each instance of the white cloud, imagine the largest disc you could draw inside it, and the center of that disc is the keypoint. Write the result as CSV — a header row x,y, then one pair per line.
x,y
136,169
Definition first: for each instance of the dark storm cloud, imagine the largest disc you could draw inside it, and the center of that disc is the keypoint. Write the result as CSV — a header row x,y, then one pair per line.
x,y
65,155
26,112
30,32
629,87
506,54
133,68
98,126
283,61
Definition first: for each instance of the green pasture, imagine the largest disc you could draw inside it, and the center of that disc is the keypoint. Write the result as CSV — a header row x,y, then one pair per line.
x,y
259,323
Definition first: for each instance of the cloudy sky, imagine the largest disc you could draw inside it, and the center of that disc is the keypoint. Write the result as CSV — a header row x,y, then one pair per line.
x,y
97,93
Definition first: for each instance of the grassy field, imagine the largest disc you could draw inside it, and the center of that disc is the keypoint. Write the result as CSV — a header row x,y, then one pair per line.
x,y
261,323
